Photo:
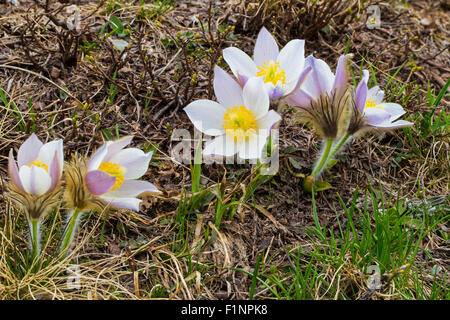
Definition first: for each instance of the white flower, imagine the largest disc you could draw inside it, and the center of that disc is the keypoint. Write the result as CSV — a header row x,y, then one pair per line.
x,y
112,172
372,112
39,166
241,121
281,71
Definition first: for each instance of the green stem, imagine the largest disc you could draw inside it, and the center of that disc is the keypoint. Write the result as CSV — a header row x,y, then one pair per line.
x,y
70,230
323,159
340,144
35,239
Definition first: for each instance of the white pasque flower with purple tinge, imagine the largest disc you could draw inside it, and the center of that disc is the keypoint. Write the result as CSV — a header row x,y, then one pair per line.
x,y
112,172
281,71
321,81
241,120
39,166
376,113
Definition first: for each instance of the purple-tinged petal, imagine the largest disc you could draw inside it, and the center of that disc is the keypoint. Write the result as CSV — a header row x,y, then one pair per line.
x,y
340,84
275,92
321,79
116,146
48,150
99,182
98,156
35,180
29,150
242,79
266,48
14,171
375,94
55,172
124,203
303,76
299,98
227,90
268,121
131,189
361,91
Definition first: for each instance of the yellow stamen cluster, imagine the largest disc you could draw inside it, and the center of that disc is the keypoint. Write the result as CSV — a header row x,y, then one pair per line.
x,y
370,103
272,73
38,163
116,170
239,122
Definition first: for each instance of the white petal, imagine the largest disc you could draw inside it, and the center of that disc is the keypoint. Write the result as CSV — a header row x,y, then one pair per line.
x,y
394,125
376,115
292,61
131,189
240,63
35,180
220,146
376,94
207,116
124,203
266,48
29,150
394,109
98,156
134,160
252,147
48,150
227,90
320,80
256,98
116,146
268,121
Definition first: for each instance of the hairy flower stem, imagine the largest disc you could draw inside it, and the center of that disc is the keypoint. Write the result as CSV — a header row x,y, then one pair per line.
x,y
35,239
340,144
323,159
74,218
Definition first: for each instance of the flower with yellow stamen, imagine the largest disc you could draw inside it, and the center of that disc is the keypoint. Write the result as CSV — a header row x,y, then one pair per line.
x,y
240,122
281,70
369,110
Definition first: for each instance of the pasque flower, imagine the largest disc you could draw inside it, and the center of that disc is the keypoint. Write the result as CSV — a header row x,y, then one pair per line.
x,y
240,120
35,179
281,71
370,112
323,97
109,177
112,172
323,100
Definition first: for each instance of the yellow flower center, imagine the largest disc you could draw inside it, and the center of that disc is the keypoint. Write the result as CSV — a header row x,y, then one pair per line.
x,y
272,73
239,122
370,103
38,163
115,170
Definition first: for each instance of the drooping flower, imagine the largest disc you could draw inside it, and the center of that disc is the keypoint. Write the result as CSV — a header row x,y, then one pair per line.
x,y
281,71
34,184
112,174
323,97
370,112
240,121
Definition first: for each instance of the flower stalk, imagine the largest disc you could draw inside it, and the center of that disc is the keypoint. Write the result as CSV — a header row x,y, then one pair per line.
x,y
35,238
71,228
323,158
339,145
